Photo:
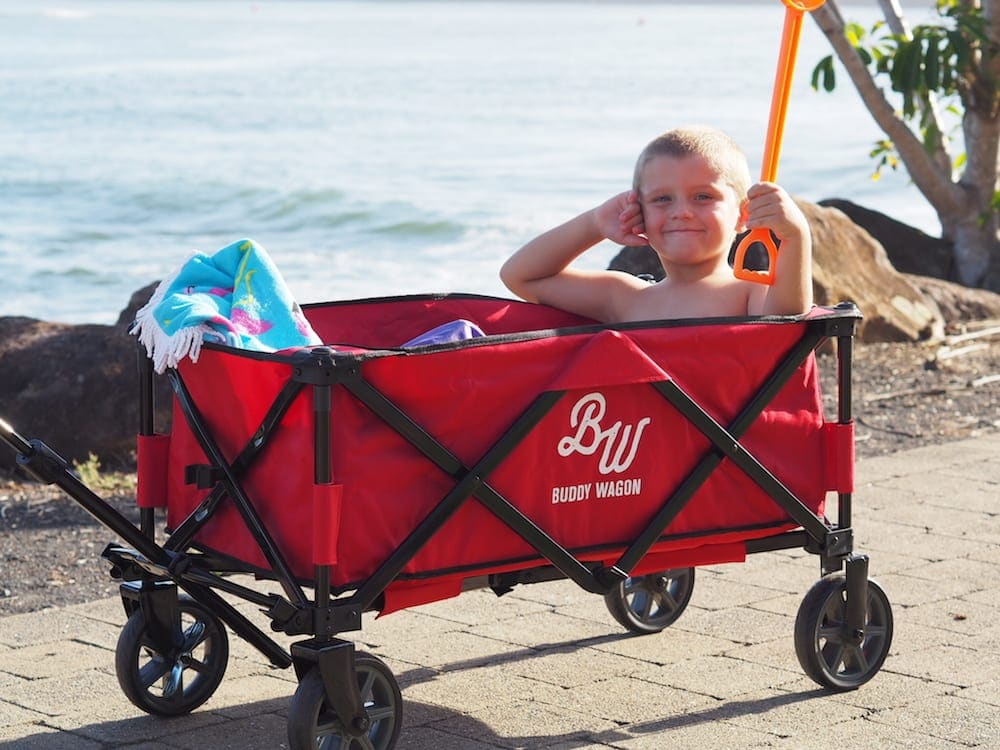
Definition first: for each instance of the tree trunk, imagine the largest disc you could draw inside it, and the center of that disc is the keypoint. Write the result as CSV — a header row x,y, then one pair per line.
x,y
964,208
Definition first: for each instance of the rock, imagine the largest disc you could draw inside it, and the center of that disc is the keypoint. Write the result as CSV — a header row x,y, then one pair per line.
x,y
959,304
909,249
848,264
74,387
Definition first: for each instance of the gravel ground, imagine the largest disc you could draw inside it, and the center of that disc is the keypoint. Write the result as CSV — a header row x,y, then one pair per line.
x,y
905,396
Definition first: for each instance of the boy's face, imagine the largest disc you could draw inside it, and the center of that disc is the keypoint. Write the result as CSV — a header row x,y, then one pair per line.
x,y
691,213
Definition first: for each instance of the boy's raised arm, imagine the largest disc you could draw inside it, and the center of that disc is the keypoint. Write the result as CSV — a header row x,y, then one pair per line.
x,y
540,272
771,207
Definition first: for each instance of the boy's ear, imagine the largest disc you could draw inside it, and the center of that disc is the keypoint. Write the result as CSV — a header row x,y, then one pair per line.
x,y
741,224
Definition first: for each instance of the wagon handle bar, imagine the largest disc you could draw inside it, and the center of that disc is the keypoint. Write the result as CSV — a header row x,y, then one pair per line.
x,y
14,439
790,33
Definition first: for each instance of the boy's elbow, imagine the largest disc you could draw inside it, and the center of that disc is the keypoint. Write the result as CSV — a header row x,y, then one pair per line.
x,y
514,281
508,278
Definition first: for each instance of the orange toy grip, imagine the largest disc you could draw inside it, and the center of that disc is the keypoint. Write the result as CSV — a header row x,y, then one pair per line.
x,y
763,236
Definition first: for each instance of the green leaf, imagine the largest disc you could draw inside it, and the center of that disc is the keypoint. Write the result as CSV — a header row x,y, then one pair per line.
x,y
823,75
932,70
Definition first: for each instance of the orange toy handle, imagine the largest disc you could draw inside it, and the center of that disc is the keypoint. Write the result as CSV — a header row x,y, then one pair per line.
x,y
790,34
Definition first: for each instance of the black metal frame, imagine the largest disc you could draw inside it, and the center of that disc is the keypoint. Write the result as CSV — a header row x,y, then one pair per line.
x,y
153,572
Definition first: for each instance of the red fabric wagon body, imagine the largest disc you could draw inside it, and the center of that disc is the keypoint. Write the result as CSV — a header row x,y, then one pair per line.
x,y
590,473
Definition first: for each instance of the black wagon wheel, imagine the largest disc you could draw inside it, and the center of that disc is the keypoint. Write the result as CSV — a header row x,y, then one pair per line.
x,y
829,653
175,680
648,604
313,723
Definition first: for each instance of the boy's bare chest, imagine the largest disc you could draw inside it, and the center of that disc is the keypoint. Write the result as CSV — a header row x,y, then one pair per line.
x,y
666,301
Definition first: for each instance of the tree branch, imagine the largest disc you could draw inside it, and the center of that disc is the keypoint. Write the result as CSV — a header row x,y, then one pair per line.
x,y
933,181
893,14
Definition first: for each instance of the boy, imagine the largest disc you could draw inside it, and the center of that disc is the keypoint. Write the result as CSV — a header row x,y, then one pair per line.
x,y
691,195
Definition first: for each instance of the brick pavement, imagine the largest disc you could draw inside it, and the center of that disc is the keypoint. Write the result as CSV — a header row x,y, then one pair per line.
x,y
547,667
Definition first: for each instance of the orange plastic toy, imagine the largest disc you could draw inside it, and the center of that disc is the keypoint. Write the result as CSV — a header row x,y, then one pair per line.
x,y
794,13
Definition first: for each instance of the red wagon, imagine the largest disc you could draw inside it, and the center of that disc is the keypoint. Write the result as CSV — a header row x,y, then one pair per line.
x,y
378,478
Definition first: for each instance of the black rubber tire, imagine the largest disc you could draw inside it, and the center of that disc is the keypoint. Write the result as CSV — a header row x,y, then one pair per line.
x,y
647,604
155,681
826,652
313,724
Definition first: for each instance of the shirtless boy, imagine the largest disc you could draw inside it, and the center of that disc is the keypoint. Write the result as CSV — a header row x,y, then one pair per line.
x,y
691,195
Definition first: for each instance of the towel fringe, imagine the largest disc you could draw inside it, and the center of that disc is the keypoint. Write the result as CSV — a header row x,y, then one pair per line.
x,y
166,350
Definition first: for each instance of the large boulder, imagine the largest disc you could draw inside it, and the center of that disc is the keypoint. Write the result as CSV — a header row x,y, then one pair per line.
x,y
75,387
909,249
848,264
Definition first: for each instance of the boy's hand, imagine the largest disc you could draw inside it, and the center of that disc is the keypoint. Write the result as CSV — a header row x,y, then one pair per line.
x,y
769,206
619,219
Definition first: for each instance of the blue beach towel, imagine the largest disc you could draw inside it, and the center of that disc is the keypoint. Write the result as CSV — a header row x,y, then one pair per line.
x,y
235,297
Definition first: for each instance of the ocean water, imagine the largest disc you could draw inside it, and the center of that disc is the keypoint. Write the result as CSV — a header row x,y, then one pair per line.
x,y
374,148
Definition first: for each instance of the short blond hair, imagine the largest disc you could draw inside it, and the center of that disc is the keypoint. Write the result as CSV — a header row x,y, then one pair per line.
x,y
711,144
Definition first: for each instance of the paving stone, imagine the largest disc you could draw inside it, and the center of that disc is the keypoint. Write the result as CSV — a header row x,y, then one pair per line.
x,y
423,738
247,696
543,630
986,692
946,664
948,718
35,736
867,734
629,700
262,730
785,714
473,690
118,723
732,591
718,676
527,725
562,667
56,659
16,713
763,575
668,646
23,630
77,691
958,615
694,735
739,625
482,607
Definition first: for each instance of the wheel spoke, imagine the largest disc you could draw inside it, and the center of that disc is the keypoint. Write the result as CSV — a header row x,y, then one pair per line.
x,y
173,682
366,687
830,633
380,713
833,654
647,606
195,635
366,742
330,726
860,659
197,665
875,632
152,671
666,601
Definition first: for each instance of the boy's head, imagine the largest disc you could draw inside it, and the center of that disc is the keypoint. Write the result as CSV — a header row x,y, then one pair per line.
x,y
717,148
